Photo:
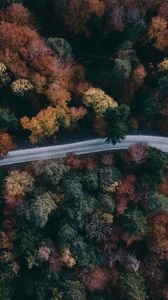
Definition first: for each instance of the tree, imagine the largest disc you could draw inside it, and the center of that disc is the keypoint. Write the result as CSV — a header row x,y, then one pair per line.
x,y
163,83
73,189
156,160
54,171
126,192
116,123
60,46
67,234
108,176
133,285
163,188
156,203
136,154
159,237
135,223
5,290
17,185
107,203
45,124
98,100
5,3
73,290
90,181
6,144
163,66
67,258
150,107
78,13
99,228
95,280
32,64
158,32
4,76
8,120
41,208
21,87
121,71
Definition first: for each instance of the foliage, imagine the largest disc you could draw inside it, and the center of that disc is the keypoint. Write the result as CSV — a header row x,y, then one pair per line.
x,y
159,238
54,171
17,184
133,285
8,120
6,144
21,86
135,223
156,161
60,46
123,47
88,227
77,14
90,181
116,123
5,291
126,192
98,100
108,176
41,208
156,203
84,227
137,154
44,124
74,290
158,32
107,203
121,71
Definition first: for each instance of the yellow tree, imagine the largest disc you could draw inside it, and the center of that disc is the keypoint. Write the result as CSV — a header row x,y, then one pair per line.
x,y
98,100
45,124
17,184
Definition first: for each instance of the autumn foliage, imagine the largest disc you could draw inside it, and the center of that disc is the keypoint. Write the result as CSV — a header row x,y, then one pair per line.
x,y
89,218
6,144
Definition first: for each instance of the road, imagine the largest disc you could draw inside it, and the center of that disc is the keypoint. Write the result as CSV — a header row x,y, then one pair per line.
x,y
89,146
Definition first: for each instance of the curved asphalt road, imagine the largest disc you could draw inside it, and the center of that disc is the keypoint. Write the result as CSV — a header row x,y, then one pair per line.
x,y
90,146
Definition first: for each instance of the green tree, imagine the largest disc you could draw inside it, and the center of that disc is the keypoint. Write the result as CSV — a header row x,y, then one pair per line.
x,y
135,223
133,285
60,46
157,160
117,123
67,234
74,290
8,120
41,208
90,180
54,171
5,290
156,203
163,83
73,189
107,203
150,107
121,71
109,175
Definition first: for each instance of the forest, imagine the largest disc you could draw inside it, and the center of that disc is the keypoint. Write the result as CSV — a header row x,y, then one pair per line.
x,y
95,226
86,227
71,70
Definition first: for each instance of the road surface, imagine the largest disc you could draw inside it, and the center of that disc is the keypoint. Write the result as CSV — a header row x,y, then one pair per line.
x,y
90,146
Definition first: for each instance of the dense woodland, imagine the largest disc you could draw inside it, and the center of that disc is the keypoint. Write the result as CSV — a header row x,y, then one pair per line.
x,y
73,69
90,227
